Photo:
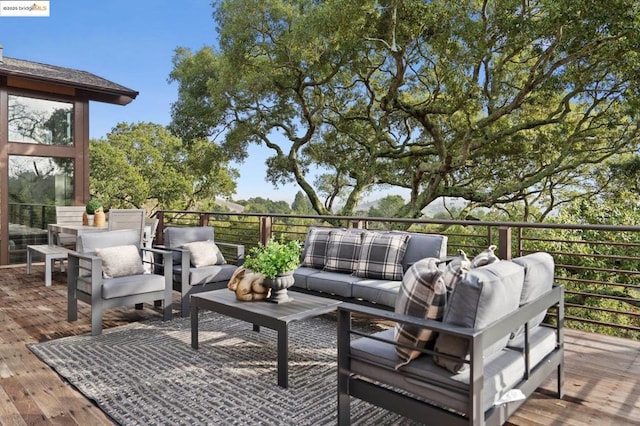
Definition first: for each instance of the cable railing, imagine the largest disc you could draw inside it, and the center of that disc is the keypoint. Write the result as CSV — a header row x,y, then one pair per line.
x,y
597,264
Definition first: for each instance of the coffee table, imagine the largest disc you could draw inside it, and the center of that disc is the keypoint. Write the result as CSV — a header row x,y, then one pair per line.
x,y
262,314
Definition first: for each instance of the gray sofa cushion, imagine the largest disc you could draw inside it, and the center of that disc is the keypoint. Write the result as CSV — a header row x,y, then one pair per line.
x,y
343,251
332,283
483,295
538,279
176,237
503,370
381,292
422,294
315,247
424,245
300,276
381,255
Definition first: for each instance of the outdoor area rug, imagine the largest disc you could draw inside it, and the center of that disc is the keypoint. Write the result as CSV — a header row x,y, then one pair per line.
x,y
147,373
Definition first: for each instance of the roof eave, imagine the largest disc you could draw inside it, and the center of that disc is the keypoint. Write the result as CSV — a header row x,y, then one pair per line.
x,y
100,94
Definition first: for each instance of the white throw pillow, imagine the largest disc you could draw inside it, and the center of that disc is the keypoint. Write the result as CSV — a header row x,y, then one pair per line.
x,y
120,261
204,253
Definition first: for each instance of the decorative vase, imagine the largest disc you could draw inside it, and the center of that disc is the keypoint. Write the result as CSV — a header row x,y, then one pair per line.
x,y
99,219
85,218
90,218
279,286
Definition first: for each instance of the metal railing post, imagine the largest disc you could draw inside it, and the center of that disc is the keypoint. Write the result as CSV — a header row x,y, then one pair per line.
x,y
204,219
160,229
265,229
504,242
358,224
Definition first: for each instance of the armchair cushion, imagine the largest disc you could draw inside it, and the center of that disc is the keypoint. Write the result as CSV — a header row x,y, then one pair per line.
x,y
120,261
124,286
204,253
205,274
538,279
381,256
484,295
175,237
343,251
375,359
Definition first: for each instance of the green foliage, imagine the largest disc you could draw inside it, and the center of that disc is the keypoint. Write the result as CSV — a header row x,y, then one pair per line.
x,y
301,204
491,102
275,258
93,206
387,206
143,165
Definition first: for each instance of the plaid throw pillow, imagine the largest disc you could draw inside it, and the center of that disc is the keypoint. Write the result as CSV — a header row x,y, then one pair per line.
x,y
381,256
317,242
486,257
343,251
455,270
422,294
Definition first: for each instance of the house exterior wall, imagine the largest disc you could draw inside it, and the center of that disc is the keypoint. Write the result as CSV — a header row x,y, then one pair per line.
x,y
78,151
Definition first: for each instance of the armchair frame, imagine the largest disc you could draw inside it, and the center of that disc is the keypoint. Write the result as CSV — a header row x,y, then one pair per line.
x,y
412,406
93,265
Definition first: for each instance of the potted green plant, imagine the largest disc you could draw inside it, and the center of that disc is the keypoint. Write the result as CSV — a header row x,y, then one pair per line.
x,y
276,261
93,208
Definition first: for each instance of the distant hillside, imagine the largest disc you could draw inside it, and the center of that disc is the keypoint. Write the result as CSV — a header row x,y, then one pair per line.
x,y
234,207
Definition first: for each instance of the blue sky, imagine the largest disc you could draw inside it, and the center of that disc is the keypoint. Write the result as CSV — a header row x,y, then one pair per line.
x,y
130,42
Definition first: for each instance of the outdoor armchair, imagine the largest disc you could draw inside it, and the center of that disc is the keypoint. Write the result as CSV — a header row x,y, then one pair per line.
x,y
198,263
107,271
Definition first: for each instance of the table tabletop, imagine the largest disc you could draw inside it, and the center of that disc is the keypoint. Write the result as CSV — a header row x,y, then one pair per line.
x,y
58,228
301,307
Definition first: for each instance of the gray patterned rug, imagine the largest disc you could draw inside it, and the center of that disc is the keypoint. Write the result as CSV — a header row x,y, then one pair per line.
x,y
146,373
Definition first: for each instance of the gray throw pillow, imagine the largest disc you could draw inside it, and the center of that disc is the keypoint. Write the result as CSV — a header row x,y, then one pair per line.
x,y
120,261
204,253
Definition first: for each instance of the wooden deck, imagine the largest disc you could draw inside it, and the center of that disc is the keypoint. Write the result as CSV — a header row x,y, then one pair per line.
x,y
602,383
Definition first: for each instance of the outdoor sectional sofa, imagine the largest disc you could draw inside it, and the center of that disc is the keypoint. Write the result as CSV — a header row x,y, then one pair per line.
x,y
474,367
362,266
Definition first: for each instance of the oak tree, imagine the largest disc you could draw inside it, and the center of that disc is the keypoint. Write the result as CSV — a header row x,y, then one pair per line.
x,y
495,102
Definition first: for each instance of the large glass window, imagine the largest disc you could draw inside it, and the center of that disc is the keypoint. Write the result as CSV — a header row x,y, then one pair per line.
x,y
40,121
36,186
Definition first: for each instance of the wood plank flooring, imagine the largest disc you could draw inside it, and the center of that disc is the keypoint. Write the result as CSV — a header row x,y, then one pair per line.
x,y
602,383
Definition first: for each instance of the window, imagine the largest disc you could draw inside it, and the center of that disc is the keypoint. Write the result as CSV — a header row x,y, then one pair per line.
x,y
36,186
40,121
